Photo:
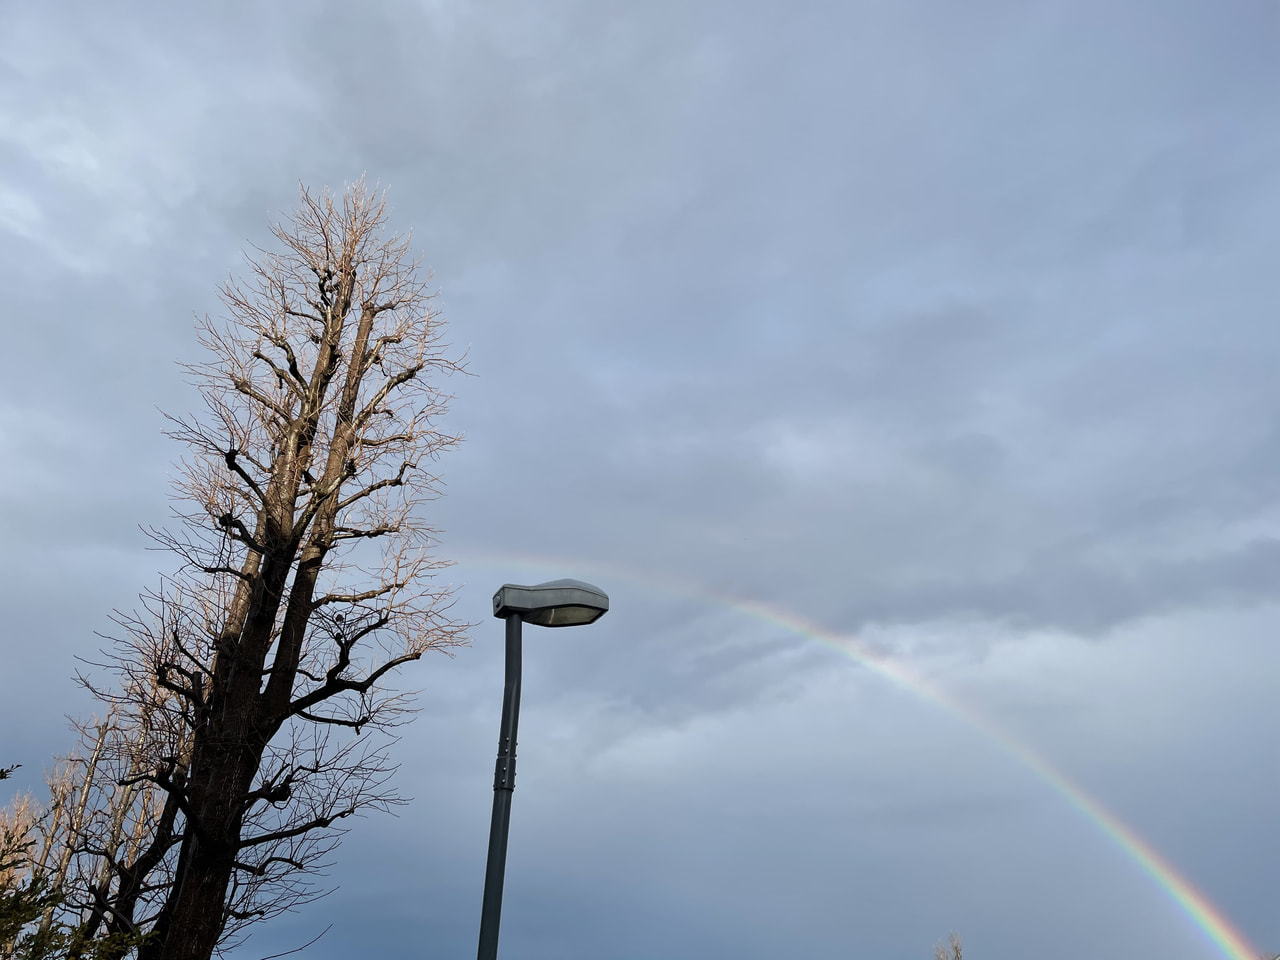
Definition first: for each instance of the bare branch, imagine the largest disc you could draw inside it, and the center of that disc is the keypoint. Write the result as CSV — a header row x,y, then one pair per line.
x,y
306,827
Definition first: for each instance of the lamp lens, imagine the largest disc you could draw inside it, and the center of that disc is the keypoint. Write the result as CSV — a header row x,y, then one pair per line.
x,y
569,616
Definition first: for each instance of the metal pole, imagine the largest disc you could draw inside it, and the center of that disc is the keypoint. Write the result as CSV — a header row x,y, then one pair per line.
x,y
504,782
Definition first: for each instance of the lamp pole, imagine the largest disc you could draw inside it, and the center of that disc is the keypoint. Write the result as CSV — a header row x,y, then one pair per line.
x,y
504,784
560,603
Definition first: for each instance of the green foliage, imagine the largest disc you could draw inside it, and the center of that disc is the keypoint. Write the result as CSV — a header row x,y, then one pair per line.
x,y
21,904
22,907
26,899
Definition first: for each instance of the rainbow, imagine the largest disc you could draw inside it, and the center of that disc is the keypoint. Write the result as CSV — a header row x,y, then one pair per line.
x,y
1206,917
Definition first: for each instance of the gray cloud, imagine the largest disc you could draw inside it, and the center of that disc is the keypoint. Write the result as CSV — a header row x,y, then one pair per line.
x,y
952,325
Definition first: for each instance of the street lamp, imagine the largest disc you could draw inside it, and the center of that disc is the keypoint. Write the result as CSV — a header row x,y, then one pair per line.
x,y
560,603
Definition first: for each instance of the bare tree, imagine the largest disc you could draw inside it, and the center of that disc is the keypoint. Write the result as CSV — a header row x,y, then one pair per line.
x,y
114,845
253,711
951,950
41,851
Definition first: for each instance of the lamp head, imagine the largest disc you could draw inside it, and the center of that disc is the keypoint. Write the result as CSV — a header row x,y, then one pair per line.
x,y
559,603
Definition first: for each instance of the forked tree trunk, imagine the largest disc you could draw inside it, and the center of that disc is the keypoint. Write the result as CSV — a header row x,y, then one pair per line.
x,y
367,318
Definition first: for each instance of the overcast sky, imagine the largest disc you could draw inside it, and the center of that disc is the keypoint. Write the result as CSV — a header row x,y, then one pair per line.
x,y
949,327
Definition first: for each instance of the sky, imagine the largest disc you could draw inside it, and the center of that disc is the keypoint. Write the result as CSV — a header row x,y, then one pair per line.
x,y
904,372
